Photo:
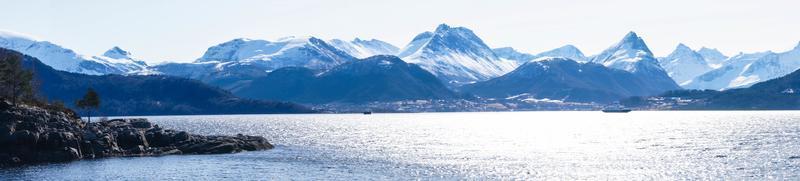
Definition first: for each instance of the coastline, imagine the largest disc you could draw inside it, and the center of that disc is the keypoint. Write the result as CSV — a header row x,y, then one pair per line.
x,y
31,134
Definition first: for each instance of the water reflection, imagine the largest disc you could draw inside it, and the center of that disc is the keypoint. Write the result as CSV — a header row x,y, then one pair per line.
x,y
565,145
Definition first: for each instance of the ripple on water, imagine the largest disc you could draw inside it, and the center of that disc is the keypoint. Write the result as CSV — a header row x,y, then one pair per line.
x,y
511,145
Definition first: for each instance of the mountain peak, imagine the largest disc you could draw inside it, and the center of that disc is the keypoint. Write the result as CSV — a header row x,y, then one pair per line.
x,y
712,54
442,27
117,53
632,41
682,47
566,51
456,55
631,36
568,46
632,54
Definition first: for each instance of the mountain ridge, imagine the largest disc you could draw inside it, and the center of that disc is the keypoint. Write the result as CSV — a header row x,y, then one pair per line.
x,y
126,95
564,79
456,55
376,78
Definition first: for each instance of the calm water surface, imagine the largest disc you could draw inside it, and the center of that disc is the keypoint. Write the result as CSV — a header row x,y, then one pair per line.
x,y
508,145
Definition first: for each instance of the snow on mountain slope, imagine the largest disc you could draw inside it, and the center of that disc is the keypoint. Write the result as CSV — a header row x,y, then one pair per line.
x,y
713,56
744,70
512,54
566,51
364,48
632,54
684,64
117,53
235,63
559,78
309,52
64,59
125,59
455,55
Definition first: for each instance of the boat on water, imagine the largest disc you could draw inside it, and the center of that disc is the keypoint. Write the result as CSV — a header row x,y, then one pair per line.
x,y
367,112
616,108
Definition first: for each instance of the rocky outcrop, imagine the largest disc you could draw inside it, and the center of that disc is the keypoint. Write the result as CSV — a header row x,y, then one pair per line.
x,y
31,134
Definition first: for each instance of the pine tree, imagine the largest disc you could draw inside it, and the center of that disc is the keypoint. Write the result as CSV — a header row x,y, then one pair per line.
x,y
90,101
15,81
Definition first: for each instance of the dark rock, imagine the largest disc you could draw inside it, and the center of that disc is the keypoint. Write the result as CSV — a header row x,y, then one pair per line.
x,y
138,149
130,138
141,123
61,155
6,131
171,152
181,137
223,148
25,137
30,134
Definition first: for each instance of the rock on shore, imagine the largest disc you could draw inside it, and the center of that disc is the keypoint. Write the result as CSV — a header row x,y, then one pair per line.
x,y
30,134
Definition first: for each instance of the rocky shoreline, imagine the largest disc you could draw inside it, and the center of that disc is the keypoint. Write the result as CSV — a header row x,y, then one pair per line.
x,y
31,134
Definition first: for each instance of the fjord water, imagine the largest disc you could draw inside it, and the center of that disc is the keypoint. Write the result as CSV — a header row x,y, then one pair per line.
x,y
566,145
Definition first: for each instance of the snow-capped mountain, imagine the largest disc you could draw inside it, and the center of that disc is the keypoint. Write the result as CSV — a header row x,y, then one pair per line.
x,y
632,54
713,56
238,61
684,64
117,53
455,55
512,54
64,59
559,78
566,51
744,70
309,52
364,48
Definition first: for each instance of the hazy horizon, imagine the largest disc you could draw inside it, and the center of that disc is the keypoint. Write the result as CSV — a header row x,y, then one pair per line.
x,y
181,31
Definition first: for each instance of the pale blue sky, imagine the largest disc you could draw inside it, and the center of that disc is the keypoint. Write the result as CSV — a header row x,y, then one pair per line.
x,y
181,30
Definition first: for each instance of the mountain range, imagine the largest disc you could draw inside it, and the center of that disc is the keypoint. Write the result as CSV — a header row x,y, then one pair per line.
x,y
776,94
65,59
744,70
376,78
625,69
566,80
236,62
308,69
124,95
684,64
